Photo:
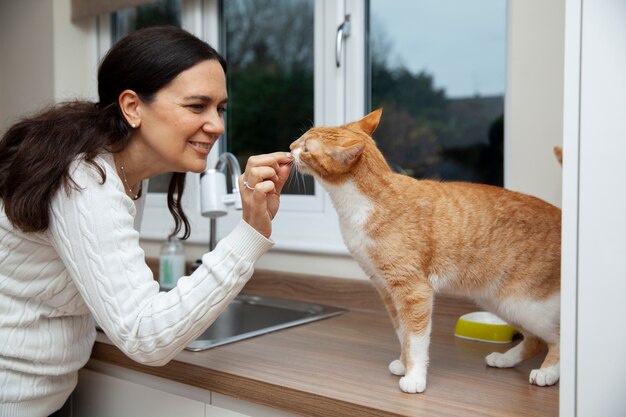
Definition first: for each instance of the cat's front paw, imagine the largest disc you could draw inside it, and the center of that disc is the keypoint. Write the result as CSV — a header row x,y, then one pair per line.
x,y
397,368
500,360
544,377
412,384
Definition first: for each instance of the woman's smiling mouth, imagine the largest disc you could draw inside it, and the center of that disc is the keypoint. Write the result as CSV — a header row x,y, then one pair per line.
x,y
202,147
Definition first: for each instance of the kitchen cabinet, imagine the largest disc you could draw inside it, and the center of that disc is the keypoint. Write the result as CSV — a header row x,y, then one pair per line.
x,y
100,395
106,390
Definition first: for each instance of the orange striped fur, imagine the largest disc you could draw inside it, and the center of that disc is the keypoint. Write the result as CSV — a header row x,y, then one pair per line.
x,y
416,238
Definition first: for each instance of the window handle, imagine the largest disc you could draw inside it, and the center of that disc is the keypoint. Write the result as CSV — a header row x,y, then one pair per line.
x,y
343,31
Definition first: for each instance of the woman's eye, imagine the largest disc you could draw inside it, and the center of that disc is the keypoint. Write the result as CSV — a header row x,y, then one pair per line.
x,y
221,110
196,107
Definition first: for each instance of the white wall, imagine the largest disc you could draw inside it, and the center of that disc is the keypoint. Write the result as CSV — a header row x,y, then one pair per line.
x,y
45,58
594,225
534,101
75,55
26,66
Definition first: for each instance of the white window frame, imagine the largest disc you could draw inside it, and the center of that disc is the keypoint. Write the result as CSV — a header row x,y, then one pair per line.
x,y
309,223
305,223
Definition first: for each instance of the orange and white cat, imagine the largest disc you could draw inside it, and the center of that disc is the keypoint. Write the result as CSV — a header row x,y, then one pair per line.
x,y
415,238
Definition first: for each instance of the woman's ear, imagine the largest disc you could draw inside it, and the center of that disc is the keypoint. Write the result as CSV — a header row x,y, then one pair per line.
x,y
129,105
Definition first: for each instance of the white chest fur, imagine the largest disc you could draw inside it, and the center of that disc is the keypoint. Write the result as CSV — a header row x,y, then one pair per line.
x,y
354,210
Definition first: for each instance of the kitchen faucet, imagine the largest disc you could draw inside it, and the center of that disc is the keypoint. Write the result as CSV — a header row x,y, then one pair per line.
x,y
214,197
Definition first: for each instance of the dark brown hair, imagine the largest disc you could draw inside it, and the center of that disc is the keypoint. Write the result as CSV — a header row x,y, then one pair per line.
x,y
35,153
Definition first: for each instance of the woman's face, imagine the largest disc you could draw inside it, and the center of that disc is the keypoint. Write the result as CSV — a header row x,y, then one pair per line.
x,y
185,119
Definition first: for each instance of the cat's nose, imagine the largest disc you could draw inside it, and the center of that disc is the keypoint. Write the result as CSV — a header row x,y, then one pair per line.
x,y
296,154
294,144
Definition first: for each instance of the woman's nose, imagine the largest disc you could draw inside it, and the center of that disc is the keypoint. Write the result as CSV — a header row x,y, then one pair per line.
x,y
214,124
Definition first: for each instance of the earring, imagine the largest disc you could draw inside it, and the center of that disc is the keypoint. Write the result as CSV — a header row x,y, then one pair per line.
x,y
133,125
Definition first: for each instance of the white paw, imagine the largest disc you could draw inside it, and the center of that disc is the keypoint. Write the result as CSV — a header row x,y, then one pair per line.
x,y
544,377
412,384
499,360
397,368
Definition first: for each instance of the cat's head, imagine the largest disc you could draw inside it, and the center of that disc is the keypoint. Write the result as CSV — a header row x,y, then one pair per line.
x,y
330,152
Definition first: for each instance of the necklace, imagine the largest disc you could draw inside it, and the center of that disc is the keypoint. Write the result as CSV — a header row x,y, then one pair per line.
x,y
132,194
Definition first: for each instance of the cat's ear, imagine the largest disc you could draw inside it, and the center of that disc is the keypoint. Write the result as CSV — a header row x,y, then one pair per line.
x,y
370,122
349,152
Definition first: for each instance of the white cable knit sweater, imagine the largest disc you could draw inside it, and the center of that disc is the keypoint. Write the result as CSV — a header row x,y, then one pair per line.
x,y
88,265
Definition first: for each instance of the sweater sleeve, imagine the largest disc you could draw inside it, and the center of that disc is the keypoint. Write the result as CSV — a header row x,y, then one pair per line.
x,y
92,230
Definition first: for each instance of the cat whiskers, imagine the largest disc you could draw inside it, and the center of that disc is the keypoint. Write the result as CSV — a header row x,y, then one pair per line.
x,y
298,176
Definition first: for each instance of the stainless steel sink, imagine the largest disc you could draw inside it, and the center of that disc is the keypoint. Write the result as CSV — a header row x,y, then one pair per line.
x,y
250,315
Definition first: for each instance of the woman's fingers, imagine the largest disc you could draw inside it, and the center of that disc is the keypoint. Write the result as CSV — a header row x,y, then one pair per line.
x,y
274,167
283,174
270,159
263,187
259,174
260,187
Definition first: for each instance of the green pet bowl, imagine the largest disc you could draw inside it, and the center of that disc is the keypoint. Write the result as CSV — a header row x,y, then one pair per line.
x,y
484,327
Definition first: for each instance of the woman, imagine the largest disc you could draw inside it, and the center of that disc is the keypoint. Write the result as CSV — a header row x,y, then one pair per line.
x,y
71,188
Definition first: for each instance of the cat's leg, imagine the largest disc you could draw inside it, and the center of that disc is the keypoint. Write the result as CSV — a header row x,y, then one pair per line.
x,y
541,318
549,372
527,348
396,366
415,315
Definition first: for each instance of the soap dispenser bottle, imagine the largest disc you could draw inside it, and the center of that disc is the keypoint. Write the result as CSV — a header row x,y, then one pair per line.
x,y
171,263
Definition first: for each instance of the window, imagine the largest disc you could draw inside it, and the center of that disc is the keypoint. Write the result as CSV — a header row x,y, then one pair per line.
x,y
270,77
437,67
438,70
282,80
163,12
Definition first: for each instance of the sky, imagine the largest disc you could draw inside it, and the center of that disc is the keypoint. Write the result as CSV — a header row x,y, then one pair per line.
x,y
462,43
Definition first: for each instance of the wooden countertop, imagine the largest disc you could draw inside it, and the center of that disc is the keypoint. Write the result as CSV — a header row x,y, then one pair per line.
x,y
338,366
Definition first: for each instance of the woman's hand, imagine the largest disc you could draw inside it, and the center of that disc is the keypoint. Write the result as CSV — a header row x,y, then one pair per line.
x,y
260,186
